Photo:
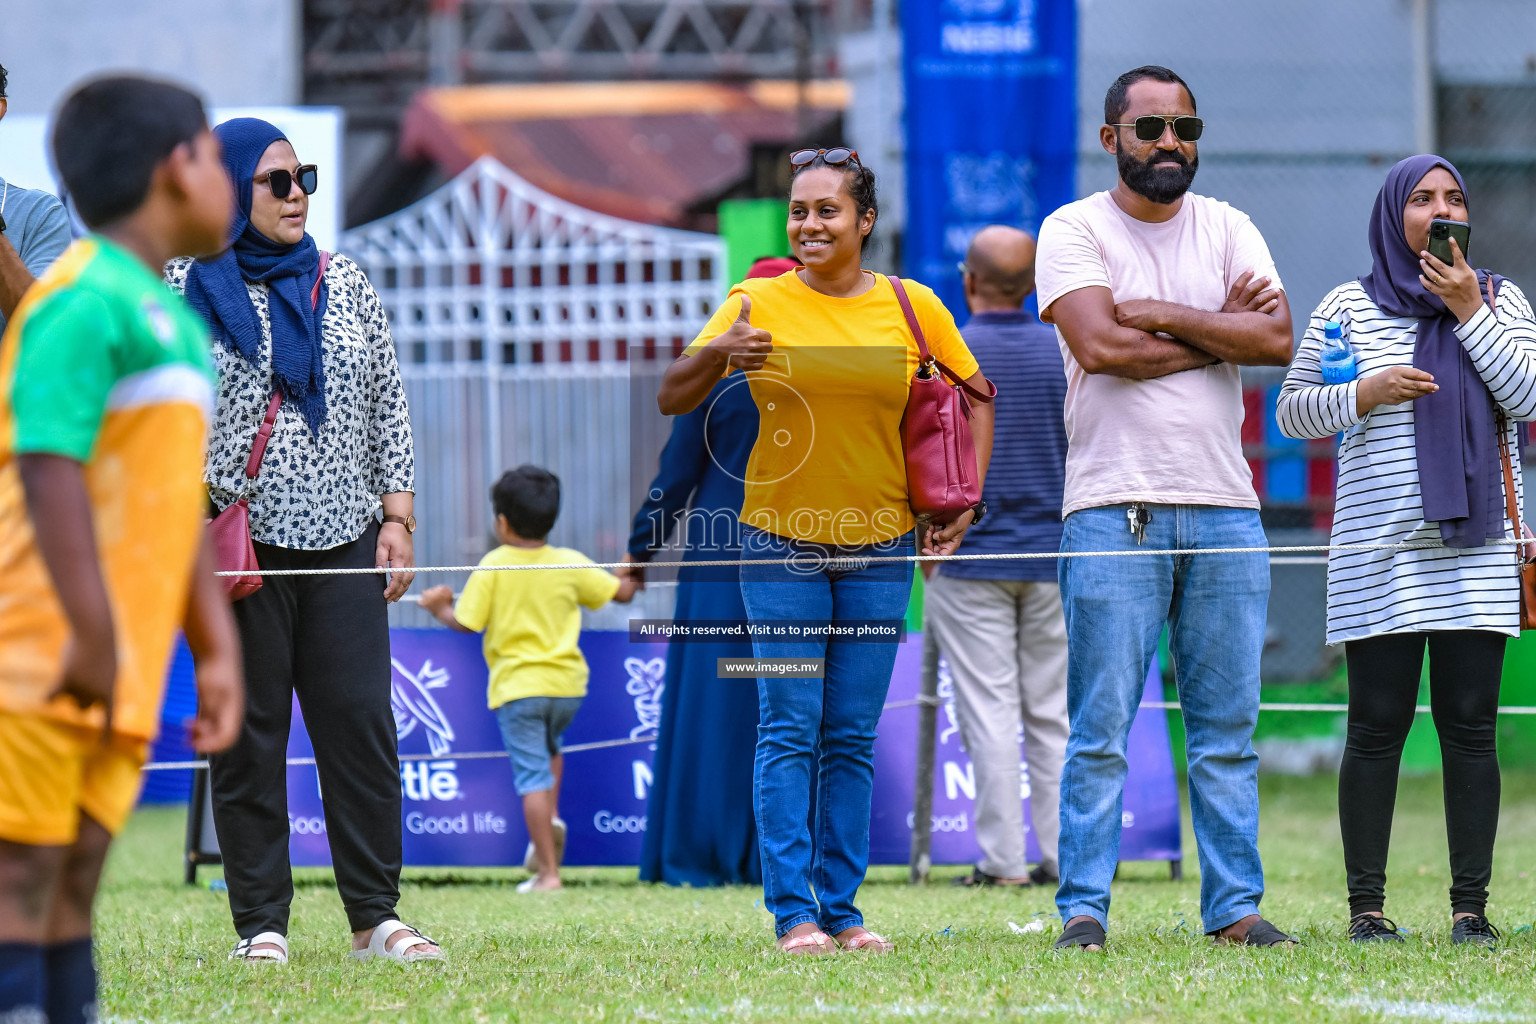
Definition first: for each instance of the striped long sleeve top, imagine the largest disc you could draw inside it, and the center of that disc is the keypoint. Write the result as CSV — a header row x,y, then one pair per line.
x,y
1378,502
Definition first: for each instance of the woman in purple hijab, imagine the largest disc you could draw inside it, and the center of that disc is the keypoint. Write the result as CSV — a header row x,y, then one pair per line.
x,y
1445,363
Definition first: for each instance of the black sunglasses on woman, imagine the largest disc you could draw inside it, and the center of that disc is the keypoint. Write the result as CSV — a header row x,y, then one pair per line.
x,y
281,182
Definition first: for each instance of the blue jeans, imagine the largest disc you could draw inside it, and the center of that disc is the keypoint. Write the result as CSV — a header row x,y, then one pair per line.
x,y
806,877
1115,608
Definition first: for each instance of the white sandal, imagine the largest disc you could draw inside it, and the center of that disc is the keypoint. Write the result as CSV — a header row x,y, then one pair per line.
x,y
244,948
405,951
531,860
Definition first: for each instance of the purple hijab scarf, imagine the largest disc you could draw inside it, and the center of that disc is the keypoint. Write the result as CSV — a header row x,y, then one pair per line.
x,y
1455,439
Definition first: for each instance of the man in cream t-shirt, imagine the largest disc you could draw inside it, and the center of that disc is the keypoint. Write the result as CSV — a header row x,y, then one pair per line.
x,y
1158,295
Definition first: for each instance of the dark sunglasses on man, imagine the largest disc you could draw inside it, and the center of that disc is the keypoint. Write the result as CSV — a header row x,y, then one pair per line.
x,y
832,157
281,182
1150,127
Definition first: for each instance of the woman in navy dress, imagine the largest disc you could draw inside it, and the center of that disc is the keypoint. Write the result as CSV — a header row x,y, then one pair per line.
x,y
700,828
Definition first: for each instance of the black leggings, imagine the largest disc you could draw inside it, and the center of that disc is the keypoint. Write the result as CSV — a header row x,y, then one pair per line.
x,y
324,639
1464,670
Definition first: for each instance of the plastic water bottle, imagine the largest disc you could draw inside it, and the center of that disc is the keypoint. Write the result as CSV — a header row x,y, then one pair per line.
x,y
1338,358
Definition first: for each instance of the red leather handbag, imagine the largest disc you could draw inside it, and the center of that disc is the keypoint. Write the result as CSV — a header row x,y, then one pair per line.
x,y
942,479
230,530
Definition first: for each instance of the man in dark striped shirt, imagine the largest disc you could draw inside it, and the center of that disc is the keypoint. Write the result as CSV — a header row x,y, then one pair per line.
x,y
999,622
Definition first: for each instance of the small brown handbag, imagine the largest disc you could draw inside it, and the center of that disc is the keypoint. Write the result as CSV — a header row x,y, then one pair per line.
x,y
230,531
1512,508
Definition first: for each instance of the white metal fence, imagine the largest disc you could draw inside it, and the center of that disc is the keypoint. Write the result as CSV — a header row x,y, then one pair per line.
x,y
532,330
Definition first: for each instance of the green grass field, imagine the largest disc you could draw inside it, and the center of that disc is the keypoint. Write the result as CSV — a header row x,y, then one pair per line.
x,y
611,949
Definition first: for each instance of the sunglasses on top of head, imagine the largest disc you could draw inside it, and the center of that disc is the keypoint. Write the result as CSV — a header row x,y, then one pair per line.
x,y
281,182
831,157
1150,127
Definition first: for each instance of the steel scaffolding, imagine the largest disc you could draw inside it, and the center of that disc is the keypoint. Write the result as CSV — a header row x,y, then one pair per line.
x,y
380,51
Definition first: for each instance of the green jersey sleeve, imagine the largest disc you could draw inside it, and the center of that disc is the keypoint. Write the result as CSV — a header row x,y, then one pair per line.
x,y
66,367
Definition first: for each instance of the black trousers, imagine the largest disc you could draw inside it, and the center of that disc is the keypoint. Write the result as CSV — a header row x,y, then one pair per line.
x,y
1384,671
326,639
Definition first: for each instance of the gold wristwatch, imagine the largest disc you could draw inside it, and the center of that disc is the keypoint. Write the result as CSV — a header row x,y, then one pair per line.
x,y
409,522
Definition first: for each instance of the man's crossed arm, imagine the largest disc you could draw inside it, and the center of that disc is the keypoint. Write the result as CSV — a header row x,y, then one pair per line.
x,y
15,278
1145,338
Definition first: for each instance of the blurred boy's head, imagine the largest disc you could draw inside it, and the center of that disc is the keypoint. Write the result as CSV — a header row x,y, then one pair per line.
x,y
123,142
527,502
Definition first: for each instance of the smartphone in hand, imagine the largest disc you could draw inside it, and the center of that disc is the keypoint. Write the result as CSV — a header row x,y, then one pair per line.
x,y
1440,234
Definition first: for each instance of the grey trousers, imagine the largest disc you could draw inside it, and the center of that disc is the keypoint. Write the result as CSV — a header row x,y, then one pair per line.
x,y
1006,645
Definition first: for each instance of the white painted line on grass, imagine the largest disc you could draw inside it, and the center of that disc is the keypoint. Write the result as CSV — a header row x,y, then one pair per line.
x,y
1416,1009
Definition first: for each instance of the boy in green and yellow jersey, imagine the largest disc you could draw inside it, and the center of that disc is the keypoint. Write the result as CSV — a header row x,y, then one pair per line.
x,y
106,389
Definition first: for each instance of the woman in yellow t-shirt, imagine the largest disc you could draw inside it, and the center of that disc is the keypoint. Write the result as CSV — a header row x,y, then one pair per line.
x,y
829,359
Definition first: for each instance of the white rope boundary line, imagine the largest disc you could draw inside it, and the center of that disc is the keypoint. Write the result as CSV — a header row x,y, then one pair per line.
x,y
1294,549
1283,550
577,748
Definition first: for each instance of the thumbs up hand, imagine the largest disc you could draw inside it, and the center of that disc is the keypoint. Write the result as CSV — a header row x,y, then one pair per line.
x,y
742,345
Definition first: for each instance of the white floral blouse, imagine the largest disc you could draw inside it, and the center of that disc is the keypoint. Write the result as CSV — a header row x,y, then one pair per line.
x,y
314,493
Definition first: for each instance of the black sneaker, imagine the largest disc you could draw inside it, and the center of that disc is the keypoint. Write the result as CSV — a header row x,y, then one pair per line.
x,y
1370,928
1476,930
1040,876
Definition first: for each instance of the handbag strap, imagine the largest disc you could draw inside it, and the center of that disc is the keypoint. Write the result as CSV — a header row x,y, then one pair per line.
x,y
924,357
314,293
1511,506
259,445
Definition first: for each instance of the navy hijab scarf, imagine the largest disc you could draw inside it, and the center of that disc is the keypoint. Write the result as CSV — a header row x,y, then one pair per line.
x,y
216,287
1455,438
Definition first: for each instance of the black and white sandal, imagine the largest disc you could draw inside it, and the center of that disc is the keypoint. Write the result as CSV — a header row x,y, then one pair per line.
x,y
1082,935
246,949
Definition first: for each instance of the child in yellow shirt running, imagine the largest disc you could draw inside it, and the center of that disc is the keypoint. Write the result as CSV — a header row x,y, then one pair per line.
x,y
531,619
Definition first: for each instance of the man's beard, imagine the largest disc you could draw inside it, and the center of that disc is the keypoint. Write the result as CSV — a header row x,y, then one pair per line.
x,y
1159,184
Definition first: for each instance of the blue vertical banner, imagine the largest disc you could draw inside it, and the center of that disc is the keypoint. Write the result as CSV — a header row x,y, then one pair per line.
x,y
991,125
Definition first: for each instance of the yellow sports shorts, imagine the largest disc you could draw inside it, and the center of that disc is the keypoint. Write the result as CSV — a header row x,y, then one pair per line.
x,y
51,772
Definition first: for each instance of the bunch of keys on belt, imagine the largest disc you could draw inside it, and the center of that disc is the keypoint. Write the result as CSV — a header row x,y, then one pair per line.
x,y
1138,517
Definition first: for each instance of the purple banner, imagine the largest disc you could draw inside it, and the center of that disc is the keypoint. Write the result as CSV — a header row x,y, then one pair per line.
x,y
466,813
1149,818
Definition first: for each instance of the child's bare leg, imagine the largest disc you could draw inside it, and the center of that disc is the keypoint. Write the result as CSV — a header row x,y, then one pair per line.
x,y
70,913
29,878
71,966
539,814
557,769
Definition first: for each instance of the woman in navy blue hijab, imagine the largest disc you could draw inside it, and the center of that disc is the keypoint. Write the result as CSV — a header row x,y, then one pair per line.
x,y
1444,363
300,341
